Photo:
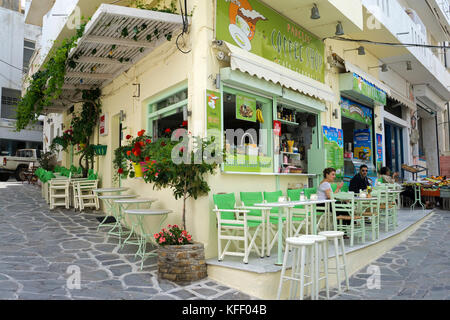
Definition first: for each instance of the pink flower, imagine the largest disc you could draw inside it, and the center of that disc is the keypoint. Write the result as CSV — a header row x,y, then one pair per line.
x,y
189,238
162,239
180,240
156,235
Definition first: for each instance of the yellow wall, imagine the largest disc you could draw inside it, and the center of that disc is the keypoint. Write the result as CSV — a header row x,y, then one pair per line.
x,y
167,67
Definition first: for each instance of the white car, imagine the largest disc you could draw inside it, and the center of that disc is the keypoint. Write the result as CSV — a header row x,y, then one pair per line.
x,y
18,164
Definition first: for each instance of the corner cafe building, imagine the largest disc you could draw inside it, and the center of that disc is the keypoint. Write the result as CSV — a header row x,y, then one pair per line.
x,y
245,67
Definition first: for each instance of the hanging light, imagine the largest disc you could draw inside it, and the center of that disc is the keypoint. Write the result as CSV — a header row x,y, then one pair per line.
x,y
408,65
315,12
339,29
384,67
361,51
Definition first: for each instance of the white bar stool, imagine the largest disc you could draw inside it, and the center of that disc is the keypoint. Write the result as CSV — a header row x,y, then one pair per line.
x,y
302,250
337,236
320,260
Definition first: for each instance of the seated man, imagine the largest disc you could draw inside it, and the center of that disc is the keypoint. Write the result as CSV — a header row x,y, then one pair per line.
x,y
360,180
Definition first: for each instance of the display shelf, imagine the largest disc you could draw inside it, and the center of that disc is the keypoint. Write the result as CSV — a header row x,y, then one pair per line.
x,y
288,122
293,153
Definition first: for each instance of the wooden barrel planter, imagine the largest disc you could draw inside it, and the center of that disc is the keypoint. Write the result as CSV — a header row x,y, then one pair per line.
x,y
184,263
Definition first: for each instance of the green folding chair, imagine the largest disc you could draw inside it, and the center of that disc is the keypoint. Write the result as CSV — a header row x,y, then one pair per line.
x,y
259,214
371,214
388,207
319,212
234,226
345,203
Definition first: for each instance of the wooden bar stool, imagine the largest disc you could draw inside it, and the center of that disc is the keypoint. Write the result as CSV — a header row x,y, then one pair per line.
x,y
337,236
303,250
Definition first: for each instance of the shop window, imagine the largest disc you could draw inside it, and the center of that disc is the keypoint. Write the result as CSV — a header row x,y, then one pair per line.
x,y
296,138
168,112
394,108
247,121
28,50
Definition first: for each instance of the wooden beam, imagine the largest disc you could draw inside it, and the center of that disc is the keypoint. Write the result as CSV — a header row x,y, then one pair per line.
x,y
78,87
101,60
118,42
98,76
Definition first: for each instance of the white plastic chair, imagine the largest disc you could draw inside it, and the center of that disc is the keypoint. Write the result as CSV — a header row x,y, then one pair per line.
x,y
59,189
85,194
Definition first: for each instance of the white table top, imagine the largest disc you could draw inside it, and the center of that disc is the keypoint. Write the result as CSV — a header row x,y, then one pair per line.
x,y
396,191
118,196
365,198
148,212
102,190
293,203
134,200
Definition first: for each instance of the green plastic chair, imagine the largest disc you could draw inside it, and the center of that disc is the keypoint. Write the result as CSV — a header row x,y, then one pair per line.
x,y
346,204
388,207
234,226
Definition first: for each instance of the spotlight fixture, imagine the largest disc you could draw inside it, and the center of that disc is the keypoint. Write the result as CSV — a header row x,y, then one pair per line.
x,y
408,65
339,29
384,67
315,12
361,51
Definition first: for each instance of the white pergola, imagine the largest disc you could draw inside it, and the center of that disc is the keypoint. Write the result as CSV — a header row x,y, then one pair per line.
x,y
114,39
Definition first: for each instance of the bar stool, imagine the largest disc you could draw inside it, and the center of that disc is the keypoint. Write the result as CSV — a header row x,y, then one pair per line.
x,y
320,260
302,250
337,236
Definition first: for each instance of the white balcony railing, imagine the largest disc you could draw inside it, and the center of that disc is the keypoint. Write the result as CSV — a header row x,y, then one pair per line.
x,y
445,7
407,29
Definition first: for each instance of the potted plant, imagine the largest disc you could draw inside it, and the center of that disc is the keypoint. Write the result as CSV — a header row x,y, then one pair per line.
x,y
179,259
133,152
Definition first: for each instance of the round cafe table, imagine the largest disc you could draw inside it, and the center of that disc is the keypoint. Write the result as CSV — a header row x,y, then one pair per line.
x,y
125,204
144,236
108,200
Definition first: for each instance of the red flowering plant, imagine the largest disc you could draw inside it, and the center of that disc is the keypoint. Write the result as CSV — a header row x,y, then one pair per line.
x,y
132,152
173,235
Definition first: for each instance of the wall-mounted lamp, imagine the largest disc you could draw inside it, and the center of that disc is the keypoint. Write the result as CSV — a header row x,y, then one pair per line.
x,y
138,90
384,67
336,113
339,29
408,65
315,12
122,116
361,50
380,126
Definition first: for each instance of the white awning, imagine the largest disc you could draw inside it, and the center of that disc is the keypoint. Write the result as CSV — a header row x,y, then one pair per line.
x,y
403,100
377,83
264,69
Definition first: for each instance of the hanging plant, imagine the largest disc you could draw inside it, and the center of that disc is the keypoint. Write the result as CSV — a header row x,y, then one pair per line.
x,y
124,32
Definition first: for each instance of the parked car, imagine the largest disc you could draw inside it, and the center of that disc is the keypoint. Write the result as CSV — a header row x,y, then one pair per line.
x,y
18,164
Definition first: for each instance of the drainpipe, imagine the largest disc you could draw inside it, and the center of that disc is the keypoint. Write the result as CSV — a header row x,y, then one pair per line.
x,y
437,144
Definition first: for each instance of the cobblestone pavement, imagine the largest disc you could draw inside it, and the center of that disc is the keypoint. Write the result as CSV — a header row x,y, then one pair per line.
x,y
417,269
37,246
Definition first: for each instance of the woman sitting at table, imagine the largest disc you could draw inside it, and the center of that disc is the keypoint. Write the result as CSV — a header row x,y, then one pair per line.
x,y
324,190
386,177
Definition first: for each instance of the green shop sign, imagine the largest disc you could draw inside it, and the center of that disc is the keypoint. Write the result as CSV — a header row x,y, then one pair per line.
x,y
364,87
255,27
245,108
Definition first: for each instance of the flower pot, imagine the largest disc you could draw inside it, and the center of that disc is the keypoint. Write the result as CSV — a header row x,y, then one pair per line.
x,y
137,170
184,263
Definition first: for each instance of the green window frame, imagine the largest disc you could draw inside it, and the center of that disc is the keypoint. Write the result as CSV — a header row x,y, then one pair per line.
x,y
180,103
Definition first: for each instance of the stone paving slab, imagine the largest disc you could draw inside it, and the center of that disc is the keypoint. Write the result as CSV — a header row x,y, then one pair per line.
x,y
416,269
38,246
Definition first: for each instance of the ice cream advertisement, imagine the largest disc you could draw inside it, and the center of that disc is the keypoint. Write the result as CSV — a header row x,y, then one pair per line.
x,y
255,27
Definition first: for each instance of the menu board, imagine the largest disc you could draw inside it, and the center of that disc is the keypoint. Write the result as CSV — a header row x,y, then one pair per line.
x,y
245,108
334,148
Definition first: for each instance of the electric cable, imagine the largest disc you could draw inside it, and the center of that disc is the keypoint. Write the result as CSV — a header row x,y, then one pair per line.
x,y
11,65
393,44
184,18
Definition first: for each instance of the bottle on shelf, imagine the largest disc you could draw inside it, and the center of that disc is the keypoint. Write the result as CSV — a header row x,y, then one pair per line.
x,y
302,196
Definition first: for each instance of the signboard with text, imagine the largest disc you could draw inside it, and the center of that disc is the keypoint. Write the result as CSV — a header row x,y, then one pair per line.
x,y
255,27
